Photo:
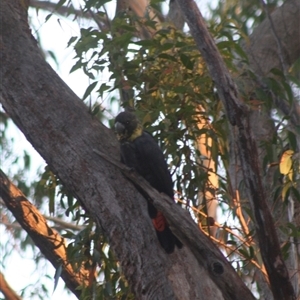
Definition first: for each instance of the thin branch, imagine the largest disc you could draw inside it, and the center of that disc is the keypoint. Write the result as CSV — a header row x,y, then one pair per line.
x,y
51,244
247,243
278,42
251,260
242,240
98,21
239,213
69,10
6,290
63,224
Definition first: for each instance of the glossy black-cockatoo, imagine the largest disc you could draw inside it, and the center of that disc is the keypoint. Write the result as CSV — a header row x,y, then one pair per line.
x,y
140,152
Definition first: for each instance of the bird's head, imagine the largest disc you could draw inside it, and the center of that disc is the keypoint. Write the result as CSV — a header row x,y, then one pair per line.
x,y
127,126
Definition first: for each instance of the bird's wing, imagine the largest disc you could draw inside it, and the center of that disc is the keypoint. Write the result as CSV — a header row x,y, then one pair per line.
x,y
152,165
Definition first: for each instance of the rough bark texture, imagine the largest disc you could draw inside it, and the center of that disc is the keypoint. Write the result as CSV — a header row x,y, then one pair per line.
x,y
60,128
49,241
262,48
238,115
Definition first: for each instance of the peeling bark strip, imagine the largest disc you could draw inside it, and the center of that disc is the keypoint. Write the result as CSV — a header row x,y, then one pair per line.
x,y
265,229
49,241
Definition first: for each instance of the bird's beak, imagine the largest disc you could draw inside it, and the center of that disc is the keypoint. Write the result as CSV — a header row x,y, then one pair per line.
x,y
119,128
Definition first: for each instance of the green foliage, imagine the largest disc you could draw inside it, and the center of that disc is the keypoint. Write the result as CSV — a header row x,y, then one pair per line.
x,y
247,14
89,249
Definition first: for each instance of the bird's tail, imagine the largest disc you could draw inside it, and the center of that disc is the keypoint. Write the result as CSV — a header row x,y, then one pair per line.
x,y
164,234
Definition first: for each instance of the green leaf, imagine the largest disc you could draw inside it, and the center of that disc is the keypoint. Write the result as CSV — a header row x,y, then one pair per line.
x,y
186,61
231,242
78,65
286,191
277,72
224,45
27,160
180,89
251,252
123,40
239,50
166,46
71,40
146,43
273,85
296,193
244,253
294,79
285,250
53,56
261,94
167,56
104,87
292,140
58,272
48,17
89,89
295,232
51,200
96,110
289,92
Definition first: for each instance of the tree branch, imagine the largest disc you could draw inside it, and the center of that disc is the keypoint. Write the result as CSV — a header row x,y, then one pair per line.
x,y
278,42
69,10
48,240
6,290
237,114
205,251
273,45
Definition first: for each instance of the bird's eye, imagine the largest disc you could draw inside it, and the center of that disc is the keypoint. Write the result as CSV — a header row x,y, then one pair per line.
x,y
127,122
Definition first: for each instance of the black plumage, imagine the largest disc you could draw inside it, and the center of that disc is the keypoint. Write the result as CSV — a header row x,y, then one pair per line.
x,y
140,152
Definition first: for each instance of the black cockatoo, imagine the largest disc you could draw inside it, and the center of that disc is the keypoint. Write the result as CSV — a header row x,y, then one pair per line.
x,y
140,152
